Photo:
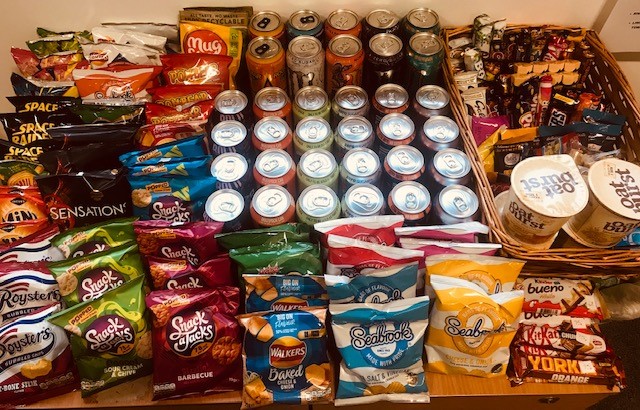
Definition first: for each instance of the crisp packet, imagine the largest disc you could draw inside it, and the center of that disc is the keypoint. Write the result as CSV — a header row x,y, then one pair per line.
x,y
110,337
381,347
430,247
104,54
126,84
33,248
188,147
196,341
462,232
196,69
180,274
175,167
378,286
286,233
149,136
119,35
471,331
285,358
491,273
282,293
95,238
378,230
300,258
12,232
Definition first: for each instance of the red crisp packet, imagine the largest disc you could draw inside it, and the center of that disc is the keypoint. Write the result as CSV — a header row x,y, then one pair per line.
x,y
122,83
180,274
431,247
194,242
196,68
33,248
197,342
162,114
378,230
462,232
28,63
157,134
183,96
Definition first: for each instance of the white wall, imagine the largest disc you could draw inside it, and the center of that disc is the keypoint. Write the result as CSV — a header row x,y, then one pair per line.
x,y
19,18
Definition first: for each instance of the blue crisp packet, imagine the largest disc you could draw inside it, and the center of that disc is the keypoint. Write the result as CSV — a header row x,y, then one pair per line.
x,y
188,147
284,292
174,167
381,348
176,200
631,240
378,286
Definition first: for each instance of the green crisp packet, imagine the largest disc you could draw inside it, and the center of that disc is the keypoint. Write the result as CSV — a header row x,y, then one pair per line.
x,y
110,337
86,278
301,258
273,235
95,238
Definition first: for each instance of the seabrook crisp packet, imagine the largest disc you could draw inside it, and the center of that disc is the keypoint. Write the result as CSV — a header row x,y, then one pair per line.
x,y
471,331
378,230
381,348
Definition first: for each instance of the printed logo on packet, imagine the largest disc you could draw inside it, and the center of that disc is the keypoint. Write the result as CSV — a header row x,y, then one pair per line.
x,y
172,209
89,248
96,282
112,334
204,41
382,344
287,352
180,251
473,328
377,293
191,334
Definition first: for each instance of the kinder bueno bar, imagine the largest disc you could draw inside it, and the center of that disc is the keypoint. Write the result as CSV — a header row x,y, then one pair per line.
x,y
462,232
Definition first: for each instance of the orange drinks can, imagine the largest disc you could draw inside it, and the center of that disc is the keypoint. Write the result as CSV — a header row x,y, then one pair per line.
x,y
273,102
342,22
344,63
266,64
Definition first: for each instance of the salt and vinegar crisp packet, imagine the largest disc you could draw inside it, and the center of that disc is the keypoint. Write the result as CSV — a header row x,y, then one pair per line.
x,y
285,358
378,286
95,238
381,348
471,331
374,229
282,293
110,337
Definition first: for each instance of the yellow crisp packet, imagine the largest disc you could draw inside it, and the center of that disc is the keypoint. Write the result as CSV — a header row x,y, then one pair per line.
x,y
486,149
209,38
470,331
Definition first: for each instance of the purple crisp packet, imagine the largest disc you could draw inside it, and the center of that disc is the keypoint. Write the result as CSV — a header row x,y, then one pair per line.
x,y
482,127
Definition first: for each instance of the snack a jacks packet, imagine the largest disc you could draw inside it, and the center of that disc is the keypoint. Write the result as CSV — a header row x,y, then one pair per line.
x,y
110,337
381,348
95,238
471,331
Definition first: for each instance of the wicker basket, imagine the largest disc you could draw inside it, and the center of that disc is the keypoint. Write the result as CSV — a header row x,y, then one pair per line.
x,y
605,76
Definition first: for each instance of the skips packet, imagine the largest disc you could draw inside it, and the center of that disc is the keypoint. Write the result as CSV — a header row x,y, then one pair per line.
x,y
33,248
285,358
111,337
95,238
378,230
282,293
381,347
173,274
378,286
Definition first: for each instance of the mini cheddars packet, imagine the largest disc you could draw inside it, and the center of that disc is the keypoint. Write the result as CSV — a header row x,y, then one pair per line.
x,y
381,347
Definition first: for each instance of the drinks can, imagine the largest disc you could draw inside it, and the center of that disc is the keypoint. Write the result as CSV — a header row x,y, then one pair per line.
x,y
312,133
305,63
420,20
449,166
230,136
341,22
349,100
363,200
267,24
232,105
317,166
403,163
383,60
411,200
429,101
438,133
311,101
275,167
305,23
273,102
359,166
344,63
394,129
317,203
266,64
425,53
272,205
388,99
233,171
455,204
352,132
272,133
379,21
229,207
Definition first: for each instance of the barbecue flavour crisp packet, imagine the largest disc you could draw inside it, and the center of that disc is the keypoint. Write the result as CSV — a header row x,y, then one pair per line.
x,y
381,347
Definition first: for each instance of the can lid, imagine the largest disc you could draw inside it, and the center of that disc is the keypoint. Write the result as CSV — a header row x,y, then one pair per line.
x,y
271,130
382,19
361,162
385,44
231,101
615,183
432,97
271,99
228,133
264,47
396,126
305,47
273,163
425,43
355,128
265,21
229,167
318,201
224,205
343,19
391,95
351,97
410,197
441,129
550,185
313,129
317,163
458,201
363,200
271,201
345,45
311,98
301,20
452,163
405,160
423,17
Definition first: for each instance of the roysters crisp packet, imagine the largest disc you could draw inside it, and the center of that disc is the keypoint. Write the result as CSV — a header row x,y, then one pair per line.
x,y
110,337
33,248
95,238
284,292
285,358
470,330
381,348
196,341
35,359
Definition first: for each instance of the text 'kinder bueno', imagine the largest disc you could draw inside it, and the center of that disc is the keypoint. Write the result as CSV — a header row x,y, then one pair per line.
x,y
545,192
613,210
